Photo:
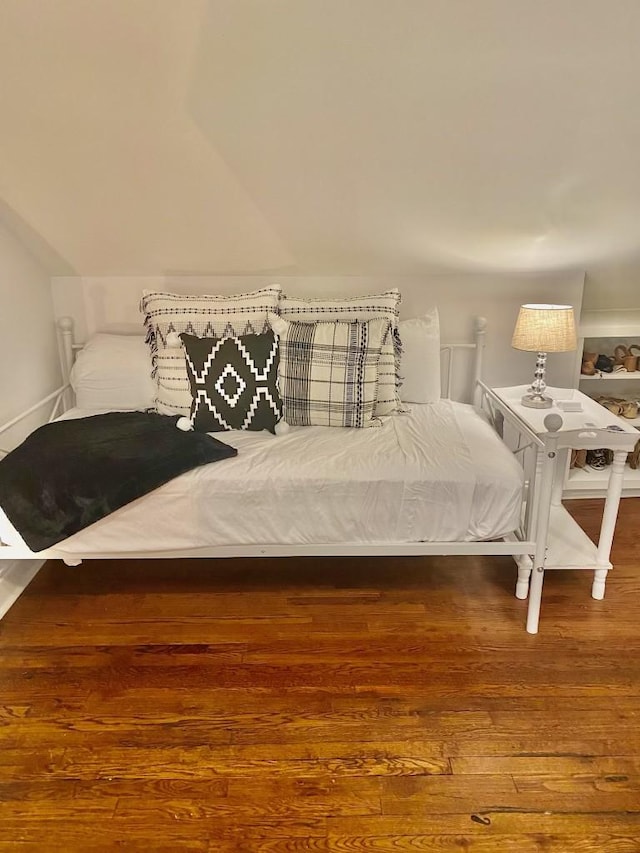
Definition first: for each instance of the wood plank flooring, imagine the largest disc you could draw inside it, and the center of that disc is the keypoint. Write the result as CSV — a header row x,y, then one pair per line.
x,y
322,705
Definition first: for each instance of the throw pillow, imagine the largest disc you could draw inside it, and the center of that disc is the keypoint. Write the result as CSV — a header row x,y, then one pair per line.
x,y
168,314
328,373
360,308
233,382
113,372
420,367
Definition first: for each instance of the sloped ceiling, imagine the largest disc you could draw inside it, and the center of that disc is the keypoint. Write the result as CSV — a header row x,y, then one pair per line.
x,y
321,136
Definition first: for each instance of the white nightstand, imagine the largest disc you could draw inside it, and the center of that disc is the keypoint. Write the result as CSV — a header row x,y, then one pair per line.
x,y
561,543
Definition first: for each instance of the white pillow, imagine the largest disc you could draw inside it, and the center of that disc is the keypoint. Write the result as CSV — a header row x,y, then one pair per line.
x,y
420,362
113,372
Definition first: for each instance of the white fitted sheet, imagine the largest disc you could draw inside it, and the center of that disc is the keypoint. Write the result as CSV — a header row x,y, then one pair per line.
x,y
437,473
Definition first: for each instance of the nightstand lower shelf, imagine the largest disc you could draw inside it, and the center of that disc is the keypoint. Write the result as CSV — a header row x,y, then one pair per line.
x,y
568,547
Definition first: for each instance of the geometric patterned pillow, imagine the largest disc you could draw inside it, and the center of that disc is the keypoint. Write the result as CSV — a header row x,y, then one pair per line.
x,y
204,316
328,372
310,310
233,382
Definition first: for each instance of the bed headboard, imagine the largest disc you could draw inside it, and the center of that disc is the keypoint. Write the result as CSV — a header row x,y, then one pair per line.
x,y
461,365
110,304
461,362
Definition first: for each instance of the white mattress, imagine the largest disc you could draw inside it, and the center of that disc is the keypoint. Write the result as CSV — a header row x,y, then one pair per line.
x,y
437,473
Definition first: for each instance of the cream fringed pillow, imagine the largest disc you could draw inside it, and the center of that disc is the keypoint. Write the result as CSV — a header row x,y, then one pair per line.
x,y
328,373
385,305
172,314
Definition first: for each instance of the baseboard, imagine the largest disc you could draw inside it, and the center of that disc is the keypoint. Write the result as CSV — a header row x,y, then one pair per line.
x,y
15,577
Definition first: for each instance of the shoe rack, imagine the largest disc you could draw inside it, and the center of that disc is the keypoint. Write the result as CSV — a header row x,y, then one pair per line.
x,y
601,331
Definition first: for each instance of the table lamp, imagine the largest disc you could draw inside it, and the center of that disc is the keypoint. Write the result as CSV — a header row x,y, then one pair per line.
x,y
543,329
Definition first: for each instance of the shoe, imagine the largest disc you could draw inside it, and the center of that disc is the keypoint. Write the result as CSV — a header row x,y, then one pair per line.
x,y
605,364
613,404
578,458
620,353
596,460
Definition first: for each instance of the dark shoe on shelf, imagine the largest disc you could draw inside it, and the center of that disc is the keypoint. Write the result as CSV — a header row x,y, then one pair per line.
x,y
597,460
605,364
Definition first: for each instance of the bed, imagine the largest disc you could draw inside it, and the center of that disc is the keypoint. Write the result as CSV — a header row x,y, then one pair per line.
x,y
432,478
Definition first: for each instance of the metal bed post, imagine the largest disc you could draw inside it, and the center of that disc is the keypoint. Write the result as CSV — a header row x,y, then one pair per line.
x,y
480,334
65,332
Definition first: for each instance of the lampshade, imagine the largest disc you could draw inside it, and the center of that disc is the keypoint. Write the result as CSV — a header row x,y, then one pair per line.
x,y
545,328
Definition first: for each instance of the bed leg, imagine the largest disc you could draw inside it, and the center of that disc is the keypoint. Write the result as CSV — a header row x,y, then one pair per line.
x,y
524,576
72,562
599,581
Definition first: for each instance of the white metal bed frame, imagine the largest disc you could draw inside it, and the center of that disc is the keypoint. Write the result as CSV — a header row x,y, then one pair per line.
x,y
528,545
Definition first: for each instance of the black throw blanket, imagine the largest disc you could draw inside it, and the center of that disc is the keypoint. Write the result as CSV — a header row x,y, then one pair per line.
x,y
68,474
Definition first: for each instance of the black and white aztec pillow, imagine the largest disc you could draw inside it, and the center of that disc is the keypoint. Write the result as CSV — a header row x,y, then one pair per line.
x,y
167,315
328,373
234,382
360,308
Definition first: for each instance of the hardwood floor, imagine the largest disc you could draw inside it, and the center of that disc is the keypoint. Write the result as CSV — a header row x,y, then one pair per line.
x,y
322,705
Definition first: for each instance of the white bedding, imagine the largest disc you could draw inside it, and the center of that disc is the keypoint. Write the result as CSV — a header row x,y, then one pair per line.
x,y
438,473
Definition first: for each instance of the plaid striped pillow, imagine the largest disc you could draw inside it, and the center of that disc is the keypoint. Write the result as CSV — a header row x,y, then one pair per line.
x,y
205,317
328,373
360,308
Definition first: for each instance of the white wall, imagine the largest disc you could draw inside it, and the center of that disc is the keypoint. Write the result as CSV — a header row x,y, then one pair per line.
x,y
29,363
324,137
29,367
616,287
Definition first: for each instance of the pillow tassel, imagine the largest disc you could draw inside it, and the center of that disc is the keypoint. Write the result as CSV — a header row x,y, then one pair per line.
x,y
151,340
397,351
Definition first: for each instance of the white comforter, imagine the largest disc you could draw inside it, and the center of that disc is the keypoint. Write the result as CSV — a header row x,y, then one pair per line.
x,y
438,474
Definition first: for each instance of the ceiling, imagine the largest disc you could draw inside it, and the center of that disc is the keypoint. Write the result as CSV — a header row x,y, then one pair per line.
x,y
320,136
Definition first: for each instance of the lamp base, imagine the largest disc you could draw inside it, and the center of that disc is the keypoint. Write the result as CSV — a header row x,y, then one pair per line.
x,y
536,401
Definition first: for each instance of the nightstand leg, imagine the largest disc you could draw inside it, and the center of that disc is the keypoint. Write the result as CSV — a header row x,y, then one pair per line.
x,y
607,529
560,475
535,600
544,487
